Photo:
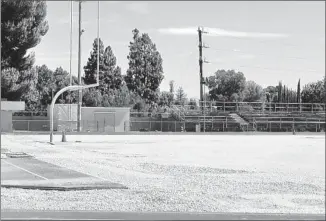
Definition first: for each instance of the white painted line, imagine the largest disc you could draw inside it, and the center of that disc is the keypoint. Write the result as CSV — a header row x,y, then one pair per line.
x,y
25,170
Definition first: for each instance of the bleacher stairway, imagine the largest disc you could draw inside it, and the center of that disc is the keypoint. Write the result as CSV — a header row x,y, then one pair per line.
x,y
245,125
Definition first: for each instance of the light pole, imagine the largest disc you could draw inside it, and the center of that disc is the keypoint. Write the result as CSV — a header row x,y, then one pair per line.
x,y
80,95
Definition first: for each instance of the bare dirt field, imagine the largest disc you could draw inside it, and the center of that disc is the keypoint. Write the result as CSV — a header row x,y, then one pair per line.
x,y
181,173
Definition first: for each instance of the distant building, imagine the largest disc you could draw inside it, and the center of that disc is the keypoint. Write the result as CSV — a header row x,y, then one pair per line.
x,y
7,108
93,119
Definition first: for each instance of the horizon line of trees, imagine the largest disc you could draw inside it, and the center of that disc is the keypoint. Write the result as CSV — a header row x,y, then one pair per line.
x,y
23,25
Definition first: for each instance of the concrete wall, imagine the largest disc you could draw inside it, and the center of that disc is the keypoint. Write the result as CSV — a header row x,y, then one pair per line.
x,y
7,108
31,123
13,105
6,121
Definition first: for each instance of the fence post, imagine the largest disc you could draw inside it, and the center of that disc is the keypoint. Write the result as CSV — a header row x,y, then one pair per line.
x,y
161,125
97,125
175,126
270,126
312,108
280,123
300,107
150,125
226,122
28,125
223,106
212,124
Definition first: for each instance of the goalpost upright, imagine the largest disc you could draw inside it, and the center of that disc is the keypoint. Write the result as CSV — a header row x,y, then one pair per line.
x,y
78,87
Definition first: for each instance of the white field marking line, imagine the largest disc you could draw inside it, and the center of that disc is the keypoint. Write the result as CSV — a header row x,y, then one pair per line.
x,y
26,170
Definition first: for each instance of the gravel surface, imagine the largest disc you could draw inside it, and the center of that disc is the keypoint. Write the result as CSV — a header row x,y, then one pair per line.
x,y
273,174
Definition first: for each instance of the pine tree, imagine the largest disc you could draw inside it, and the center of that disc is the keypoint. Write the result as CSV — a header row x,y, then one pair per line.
x,y
299,92
22,26
91,67
279,94
110,78
145,72
284,94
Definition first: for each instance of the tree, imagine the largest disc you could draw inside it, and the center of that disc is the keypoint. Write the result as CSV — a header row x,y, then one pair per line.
x,y
192,103
253,92
92,98
284,94
279,92
271,93
22,26
299,92
61,80
31,96
171,90
165,99
314,92
223,84
91,67
111,78
45,85
145,72
180,97
121,97
171,87
10,89
16,86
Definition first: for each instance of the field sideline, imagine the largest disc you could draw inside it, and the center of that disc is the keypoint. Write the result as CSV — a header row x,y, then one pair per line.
x,y
181,173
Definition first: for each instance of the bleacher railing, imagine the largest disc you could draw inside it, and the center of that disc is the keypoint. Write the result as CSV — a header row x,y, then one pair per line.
x,y
220,106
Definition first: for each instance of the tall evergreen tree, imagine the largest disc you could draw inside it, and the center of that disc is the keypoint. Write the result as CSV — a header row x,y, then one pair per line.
x,y
279,90
22,26
299,92
91,67
145,72
284,94
180,96
111,78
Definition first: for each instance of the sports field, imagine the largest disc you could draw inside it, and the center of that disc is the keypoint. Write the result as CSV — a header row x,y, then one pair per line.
x,y
181,173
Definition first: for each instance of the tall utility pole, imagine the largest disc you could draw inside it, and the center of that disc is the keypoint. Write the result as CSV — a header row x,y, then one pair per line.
x,y
200,31
80,96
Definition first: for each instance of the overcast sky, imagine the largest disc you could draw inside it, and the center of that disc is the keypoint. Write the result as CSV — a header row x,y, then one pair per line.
x,y
267,41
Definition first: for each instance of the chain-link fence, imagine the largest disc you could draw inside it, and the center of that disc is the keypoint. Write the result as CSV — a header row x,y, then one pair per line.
x,y
288,126
172,126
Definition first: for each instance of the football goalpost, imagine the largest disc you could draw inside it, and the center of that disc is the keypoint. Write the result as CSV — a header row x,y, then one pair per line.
x,y
76,87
